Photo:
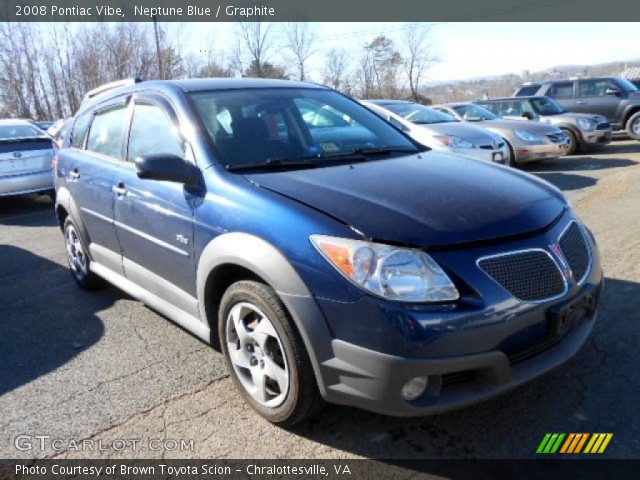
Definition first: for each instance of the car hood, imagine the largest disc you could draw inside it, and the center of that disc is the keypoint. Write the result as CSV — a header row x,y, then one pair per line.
x,y
470,133
533,127
432,199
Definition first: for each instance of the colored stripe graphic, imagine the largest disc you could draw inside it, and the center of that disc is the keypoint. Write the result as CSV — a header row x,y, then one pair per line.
x,y
573,443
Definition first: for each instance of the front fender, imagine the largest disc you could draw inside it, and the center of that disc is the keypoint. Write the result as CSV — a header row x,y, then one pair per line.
x,y
266,261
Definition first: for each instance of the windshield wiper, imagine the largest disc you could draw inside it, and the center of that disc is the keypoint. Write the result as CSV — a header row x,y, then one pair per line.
x,y
273,164
362,153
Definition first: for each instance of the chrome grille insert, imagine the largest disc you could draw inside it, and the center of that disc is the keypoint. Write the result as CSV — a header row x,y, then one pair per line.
x,y
576,250
529,275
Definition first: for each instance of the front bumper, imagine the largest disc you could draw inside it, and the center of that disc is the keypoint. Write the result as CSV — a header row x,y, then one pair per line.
x,y
498,155
26,183
594,138
373,381
532,152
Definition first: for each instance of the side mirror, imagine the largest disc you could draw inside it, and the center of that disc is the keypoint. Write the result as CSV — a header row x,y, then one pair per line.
x,y
168,167
612,91
528,115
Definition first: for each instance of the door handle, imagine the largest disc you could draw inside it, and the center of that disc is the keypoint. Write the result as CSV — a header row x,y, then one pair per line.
x,y
119,189
581,102
74,175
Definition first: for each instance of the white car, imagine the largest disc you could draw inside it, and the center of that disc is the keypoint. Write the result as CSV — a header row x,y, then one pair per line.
x,y
440,131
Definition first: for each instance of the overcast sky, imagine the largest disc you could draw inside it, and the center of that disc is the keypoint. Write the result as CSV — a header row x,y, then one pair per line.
x,y
468,50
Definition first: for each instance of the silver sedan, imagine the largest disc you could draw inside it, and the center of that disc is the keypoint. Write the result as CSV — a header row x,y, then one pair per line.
x,y
25,158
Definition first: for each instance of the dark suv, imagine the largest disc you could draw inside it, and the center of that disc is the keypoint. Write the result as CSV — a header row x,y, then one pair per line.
x,y
330,259
613,97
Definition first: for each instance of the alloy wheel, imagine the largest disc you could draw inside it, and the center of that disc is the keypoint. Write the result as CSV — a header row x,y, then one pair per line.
x,y
256,354
75,252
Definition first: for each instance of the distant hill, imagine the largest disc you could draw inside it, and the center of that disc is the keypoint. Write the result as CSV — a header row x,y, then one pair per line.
x,y
504,85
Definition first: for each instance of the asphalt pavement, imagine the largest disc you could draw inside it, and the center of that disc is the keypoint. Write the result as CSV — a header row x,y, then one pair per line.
x,y
101,369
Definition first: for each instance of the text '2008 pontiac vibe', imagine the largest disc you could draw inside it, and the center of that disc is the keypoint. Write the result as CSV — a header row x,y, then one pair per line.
x,y
331,256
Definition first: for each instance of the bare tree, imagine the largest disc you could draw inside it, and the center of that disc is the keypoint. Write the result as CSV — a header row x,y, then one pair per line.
x,y
380,63
335,70
256,39
299,42
419,55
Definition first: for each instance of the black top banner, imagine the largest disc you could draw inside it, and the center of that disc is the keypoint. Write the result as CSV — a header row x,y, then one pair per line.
x,y
318,10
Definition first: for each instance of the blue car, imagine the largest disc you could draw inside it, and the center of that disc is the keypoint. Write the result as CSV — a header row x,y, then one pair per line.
x,y
327,255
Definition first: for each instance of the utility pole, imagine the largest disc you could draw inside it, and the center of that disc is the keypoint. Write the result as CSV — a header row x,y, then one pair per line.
x,y
155,27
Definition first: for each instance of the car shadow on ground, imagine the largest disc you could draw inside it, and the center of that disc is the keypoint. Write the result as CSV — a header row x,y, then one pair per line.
x,y
27,210
629,146
578,163
567,181
568,399
42,328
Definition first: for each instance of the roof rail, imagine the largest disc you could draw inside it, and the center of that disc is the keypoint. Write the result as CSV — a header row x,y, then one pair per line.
x,y
110,86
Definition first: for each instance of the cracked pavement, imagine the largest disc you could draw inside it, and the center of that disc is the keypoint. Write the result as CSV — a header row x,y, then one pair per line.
x,y
102,367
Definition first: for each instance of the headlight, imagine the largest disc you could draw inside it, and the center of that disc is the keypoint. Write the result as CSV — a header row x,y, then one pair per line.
x,y
527,136
453,141
586,123
393,273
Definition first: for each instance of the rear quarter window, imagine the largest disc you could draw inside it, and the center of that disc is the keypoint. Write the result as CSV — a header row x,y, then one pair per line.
x,y
106,132
80,129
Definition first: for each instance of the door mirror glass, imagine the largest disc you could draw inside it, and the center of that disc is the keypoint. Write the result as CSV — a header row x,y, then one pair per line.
x,y
167,167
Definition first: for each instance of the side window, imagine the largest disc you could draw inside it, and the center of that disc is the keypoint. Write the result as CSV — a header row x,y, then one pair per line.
x,y
152,132
79,129
560,90
595,88
494,107
106,132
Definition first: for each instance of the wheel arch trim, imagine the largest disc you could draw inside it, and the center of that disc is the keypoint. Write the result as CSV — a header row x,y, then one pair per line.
x,y
267,262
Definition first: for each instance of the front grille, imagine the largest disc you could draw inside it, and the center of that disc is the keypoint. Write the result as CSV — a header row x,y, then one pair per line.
x,y
603,126
529,275
576,251
557,137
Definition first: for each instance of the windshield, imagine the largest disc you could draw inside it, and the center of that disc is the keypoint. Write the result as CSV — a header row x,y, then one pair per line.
x,y
475,113
19,130
419,114
254,127
627,85
546,106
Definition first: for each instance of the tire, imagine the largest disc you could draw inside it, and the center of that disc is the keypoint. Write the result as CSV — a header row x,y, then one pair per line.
x,y
270,365
511,162
79,261
633,126
573,141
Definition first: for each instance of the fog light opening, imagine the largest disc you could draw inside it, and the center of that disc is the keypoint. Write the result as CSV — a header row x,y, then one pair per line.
x,y
414,388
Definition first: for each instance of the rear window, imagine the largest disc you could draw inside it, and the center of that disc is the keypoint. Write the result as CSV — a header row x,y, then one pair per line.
x,y
527,90
19,130
25,144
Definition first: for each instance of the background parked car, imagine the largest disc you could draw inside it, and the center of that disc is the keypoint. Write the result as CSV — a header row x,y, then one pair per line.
x,y
585,131
25,158
59,129
528,141
440,131
42,124
615,98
